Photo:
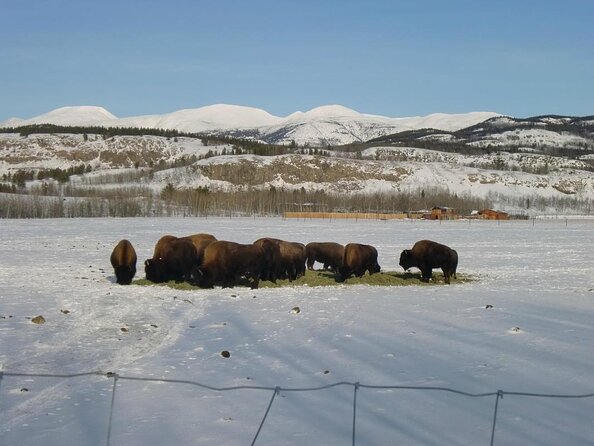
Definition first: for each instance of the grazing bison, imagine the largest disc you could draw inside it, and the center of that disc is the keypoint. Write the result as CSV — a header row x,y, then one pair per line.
x,y
175,261
226,262
291,263
200,241
272,259
161,244
123,260
356,260
427,255
328,253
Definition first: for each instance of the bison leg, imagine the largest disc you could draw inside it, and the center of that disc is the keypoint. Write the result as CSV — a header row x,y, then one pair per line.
x,y
426,274
446,275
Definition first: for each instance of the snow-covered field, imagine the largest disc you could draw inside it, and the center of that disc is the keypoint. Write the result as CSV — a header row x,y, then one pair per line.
x,y
537,337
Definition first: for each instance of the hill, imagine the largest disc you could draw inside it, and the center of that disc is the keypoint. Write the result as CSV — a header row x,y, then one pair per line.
x,y
197,175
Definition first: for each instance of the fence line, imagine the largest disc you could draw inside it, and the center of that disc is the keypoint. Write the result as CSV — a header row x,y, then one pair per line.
x,y
276,390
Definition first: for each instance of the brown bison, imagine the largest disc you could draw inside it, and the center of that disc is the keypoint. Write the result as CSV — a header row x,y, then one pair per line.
x,y
226,262
200,241
272,259
427,255
161,244
454,264
328,253
291,263
174,261
356,260
123,260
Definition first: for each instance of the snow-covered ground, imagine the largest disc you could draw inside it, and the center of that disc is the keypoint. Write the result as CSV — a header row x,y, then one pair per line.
x,y
538,276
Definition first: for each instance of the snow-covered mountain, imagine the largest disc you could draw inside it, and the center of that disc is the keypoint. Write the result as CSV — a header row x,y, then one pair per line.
x,y
336,125
321,126
218,116
67,116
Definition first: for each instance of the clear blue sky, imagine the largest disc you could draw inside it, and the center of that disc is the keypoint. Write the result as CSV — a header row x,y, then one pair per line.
x,y
393,58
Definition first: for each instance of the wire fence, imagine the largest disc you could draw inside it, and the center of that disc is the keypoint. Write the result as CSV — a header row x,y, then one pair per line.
x,y
499,394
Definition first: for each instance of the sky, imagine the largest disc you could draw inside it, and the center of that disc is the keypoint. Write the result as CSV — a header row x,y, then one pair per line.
x,y
392,58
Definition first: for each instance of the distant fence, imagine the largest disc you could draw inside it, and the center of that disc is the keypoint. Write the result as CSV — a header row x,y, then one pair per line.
x,y
276,390
351,215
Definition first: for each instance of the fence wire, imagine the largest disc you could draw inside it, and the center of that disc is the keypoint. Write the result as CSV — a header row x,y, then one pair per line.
x,y
499,394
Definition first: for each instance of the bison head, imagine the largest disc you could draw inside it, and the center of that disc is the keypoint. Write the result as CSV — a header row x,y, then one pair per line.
x,y
406,259
376,268
200,277
124,274
196,276
155,270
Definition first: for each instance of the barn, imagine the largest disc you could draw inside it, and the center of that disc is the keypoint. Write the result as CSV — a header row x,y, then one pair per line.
x,y
490,214
442,213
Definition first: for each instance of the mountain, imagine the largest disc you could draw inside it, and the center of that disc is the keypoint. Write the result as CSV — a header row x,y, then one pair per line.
x,y
336,125
196,120
553,135
67,116
321,126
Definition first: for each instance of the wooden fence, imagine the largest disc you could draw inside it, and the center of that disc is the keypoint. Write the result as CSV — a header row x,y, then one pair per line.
x,y
352,215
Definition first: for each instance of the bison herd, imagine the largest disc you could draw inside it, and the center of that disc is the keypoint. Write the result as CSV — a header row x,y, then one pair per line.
x,y
204,261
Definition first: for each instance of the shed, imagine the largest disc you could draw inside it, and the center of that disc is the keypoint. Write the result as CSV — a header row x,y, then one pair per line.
x,y
490,214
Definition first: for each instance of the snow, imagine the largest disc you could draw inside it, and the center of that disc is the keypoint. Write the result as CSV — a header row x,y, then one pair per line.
x,y
537,275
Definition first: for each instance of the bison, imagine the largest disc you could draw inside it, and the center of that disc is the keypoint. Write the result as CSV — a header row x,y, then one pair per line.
x,y
427,255
175,260
291,263
328,253
200,241
226,262
454,264
272,259
357,259
161,245
123,260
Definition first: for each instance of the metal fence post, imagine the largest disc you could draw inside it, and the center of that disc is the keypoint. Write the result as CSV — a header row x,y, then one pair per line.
x,y
113,392
276,391
355,409
499,395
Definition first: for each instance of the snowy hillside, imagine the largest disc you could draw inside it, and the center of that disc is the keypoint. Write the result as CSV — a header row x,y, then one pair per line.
x,y
507,179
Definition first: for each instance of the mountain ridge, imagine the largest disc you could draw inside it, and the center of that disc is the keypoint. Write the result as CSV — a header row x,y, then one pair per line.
x,y
320,126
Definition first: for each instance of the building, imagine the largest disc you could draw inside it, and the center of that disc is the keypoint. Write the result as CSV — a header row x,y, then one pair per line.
x,y
442,213
490,214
